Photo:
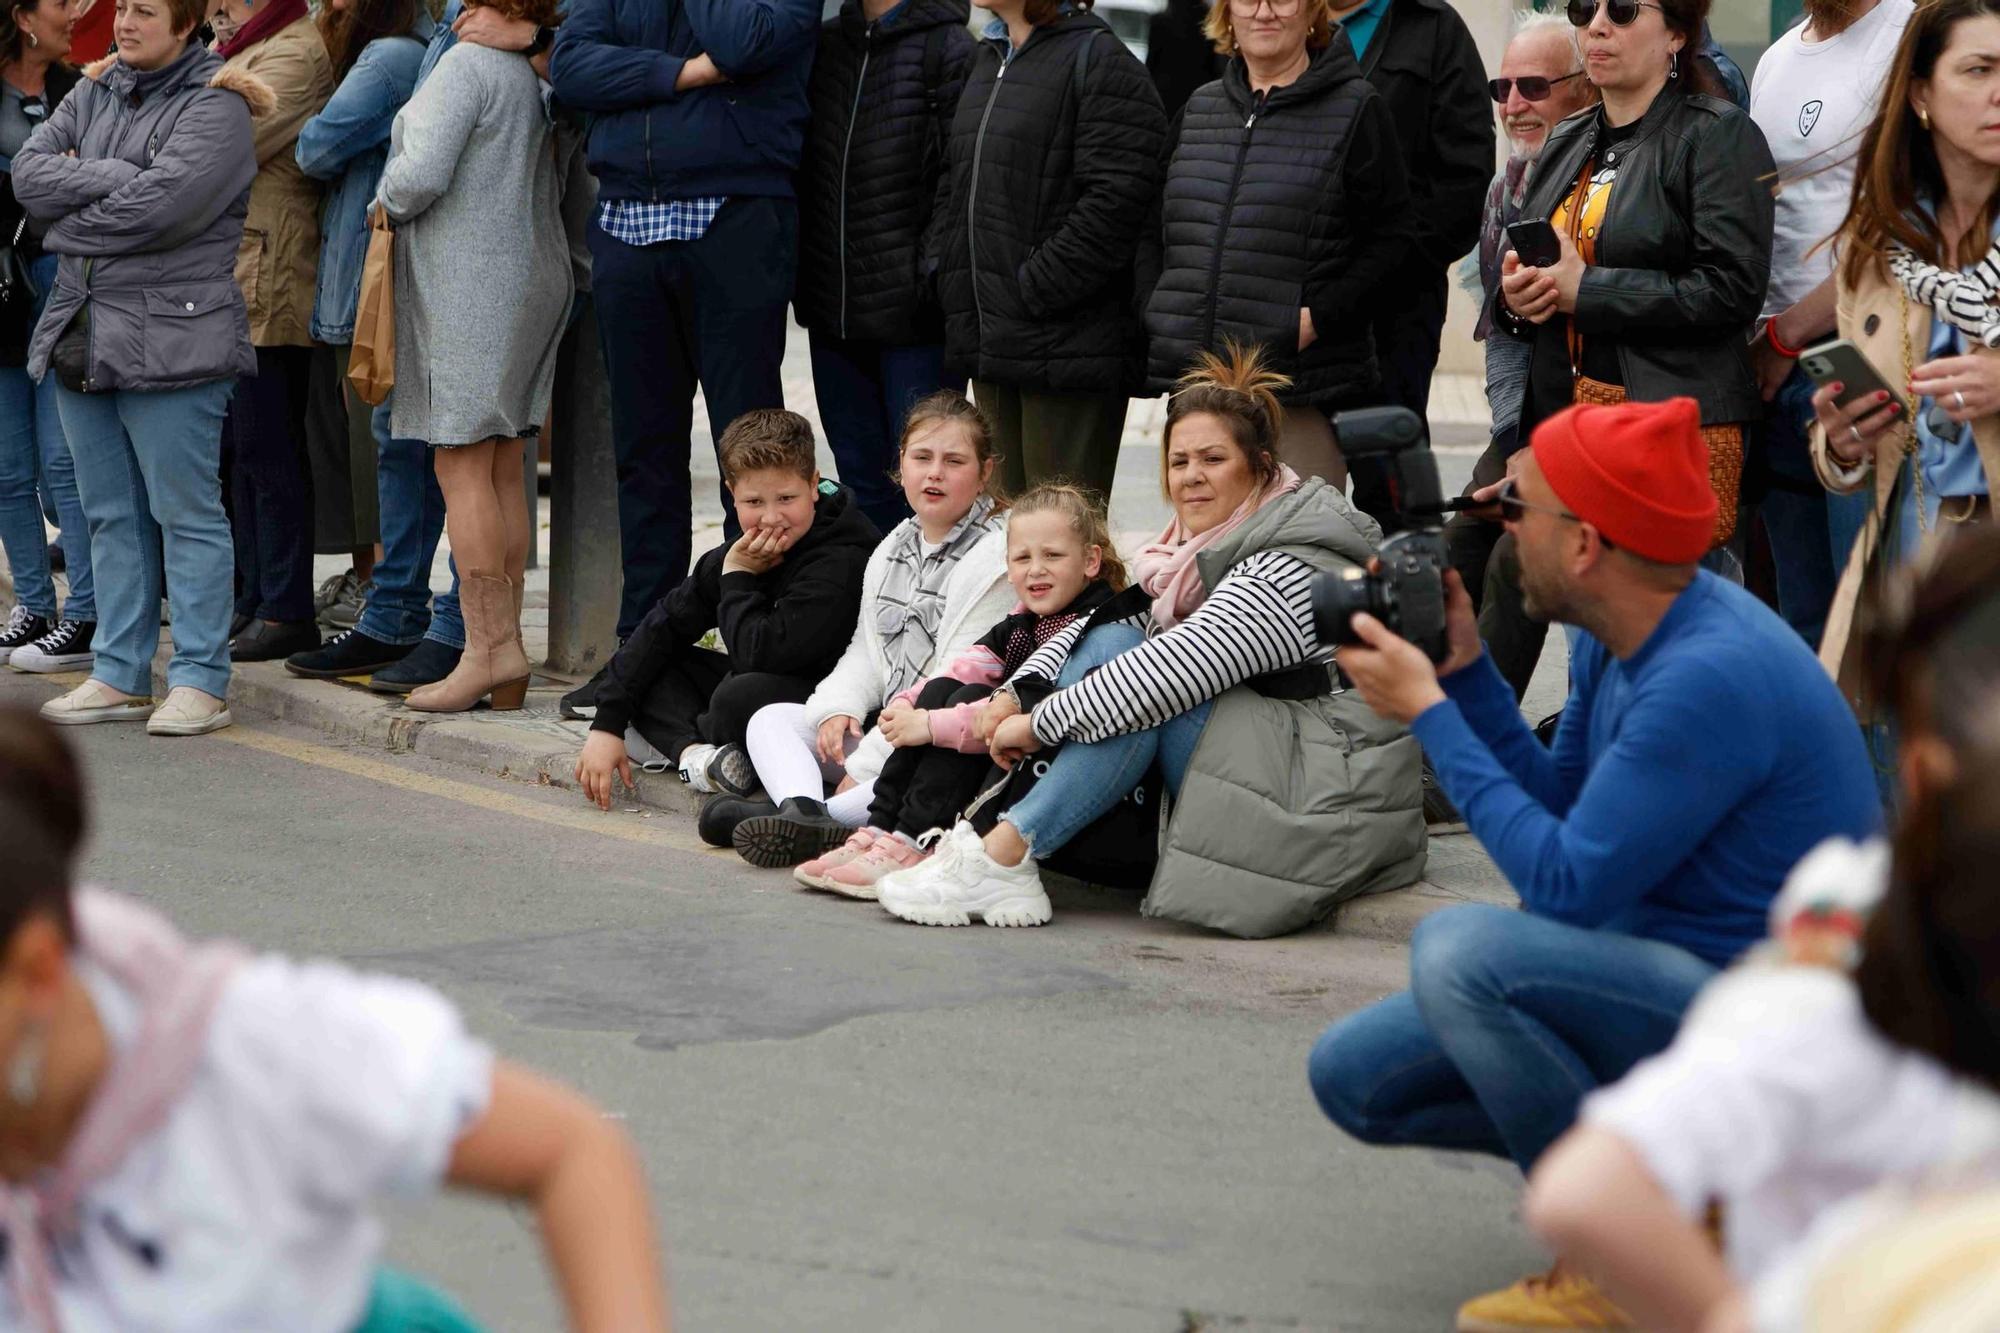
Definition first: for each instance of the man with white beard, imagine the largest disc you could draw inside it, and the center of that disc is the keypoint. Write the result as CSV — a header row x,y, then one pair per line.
x,y
1541,83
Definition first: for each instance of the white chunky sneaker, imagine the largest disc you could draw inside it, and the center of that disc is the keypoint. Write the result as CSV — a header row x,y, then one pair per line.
x,y
94,701
961,882
188,712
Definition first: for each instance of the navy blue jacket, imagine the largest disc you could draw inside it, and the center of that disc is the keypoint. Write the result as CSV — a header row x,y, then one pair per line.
x,y
617,60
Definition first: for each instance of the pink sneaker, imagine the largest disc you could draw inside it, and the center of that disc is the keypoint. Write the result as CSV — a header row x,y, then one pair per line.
x,y
813,873
857,878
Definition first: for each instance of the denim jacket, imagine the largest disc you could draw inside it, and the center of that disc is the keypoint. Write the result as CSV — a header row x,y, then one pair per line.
x,y
347,144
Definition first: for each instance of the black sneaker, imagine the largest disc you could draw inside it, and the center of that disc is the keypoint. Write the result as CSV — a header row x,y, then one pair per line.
x,y
23,627
273,641
64,648
793,834
426,664
580,704
349,654
721,813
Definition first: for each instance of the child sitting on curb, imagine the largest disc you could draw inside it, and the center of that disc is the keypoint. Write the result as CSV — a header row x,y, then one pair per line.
x,y
784,597
1062,566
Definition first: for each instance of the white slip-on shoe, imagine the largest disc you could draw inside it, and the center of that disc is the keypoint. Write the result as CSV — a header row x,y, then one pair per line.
x,y
961,882
188,712
94,701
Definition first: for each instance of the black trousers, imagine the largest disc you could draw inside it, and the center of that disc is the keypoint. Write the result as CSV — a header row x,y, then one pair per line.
x,y
698,698
270,487
676,316
1485,557
923,787
1408,333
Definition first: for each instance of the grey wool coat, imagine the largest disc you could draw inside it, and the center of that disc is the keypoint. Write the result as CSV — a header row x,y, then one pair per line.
x,y
1291,807
475,187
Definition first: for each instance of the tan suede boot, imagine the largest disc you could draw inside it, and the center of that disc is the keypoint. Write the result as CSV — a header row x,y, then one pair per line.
x,y
493,662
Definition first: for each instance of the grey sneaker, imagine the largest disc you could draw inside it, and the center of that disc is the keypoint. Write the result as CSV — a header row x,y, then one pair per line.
x,y
345,613
331,591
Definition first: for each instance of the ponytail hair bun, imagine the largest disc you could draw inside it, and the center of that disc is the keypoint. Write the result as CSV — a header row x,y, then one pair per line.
x,y
1240,389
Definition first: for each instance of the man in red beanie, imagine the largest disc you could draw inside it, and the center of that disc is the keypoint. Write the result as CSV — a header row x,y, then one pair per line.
x,y
1702,753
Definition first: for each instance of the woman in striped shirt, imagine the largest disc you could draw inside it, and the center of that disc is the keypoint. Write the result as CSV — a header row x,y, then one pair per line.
x,y
1286,800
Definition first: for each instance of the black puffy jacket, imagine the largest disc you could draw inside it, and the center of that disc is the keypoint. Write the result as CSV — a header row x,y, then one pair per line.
x,y
1276,201
1683,257
1054,161
882,95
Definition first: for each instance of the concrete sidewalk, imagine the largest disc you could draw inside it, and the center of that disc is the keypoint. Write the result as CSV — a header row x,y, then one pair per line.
x,y
536,745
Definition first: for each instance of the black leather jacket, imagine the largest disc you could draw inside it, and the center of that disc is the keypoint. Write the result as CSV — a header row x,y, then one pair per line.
x,y
1682,261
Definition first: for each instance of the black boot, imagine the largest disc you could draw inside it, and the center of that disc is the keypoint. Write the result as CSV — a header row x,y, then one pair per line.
x,y
427,663
793,834
267,640
349,654
722,812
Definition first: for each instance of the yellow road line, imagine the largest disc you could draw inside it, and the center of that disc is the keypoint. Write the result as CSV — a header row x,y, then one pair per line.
x,y
660,831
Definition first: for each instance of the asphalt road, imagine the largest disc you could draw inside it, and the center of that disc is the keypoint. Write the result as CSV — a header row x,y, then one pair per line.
x,y
850,1123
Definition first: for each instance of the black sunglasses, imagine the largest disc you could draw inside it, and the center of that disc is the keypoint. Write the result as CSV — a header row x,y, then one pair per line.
x,y
1513,508
1534,88
1621,12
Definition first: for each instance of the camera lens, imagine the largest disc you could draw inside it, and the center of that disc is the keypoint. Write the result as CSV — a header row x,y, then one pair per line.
x,y
1339,594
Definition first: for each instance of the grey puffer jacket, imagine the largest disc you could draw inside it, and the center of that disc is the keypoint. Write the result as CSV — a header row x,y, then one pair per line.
x,y
148,218
1290,806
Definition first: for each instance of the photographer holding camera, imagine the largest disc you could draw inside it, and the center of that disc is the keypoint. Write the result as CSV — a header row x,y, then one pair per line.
x,y
1702,753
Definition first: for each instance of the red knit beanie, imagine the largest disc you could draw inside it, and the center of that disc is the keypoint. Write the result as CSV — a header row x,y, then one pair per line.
x,y
1637,472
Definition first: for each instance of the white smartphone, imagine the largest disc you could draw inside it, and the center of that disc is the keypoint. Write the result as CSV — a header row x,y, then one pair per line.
x,y
1840,361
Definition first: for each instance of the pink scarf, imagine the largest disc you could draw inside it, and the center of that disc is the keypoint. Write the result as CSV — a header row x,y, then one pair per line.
x,y
1166,568
177,986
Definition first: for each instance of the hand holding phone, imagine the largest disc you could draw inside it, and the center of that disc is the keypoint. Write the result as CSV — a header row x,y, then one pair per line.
x,y
1534,240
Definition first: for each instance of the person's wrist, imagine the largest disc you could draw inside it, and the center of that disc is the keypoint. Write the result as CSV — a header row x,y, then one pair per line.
x,y
1776,338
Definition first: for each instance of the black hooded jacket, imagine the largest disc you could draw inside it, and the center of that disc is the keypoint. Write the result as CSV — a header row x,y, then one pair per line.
x,y
794,620
882,98
1273,202
1053,164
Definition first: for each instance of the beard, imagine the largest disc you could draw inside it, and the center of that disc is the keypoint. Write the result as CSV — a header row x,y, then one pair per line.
x,y
1542,599
1830,18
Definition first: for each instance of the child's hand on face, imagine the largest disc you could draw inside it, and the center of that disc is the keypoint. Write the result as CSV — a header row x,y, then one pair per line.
x,y
758,551
603,754
904,726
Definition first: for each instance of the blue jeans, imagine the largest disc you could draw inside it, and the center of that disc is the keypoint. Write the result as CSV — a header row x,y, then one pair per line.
x,y
34,456
1509,1022
148,469
865,389
400,607
1087,779
1795,512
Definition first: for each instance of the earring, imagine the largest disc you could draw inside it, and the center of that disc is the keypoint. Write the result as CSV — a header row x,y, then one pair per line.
x,y
24,1071
1673,64
1923,118
34,40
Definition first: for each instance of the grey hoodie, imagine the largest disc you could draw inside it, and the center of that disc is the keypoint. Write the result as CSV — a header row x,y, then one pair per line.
x,y
147,219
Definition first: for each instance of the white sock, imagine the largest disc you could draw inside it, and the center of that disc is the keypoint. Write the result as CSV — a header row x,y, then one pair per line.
x,y
851,806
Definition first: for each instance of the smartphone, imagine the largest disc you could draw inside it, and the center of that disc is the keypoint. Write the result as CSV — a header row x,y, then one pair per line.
x,y
1840,361
1534,240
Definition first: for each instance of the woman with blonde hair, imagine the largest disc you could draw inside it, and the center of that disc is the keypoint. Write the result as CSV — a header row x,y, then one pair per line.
x,y
1281,222
1290,795
1919,294
482,294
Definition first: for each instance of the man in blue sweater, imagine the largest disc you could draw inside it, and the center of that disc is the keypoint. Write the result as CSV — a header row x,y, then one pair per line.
x,y
1703,752
697,118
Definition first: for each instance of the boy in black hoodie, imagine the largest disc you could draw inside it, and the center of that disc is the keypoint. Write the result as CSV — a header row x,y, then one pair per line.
x,y
784,597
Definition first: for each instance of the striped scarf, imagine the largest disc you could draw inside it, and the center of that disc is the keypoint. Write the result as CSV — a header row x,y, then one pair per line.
x,y
1967,299
910,605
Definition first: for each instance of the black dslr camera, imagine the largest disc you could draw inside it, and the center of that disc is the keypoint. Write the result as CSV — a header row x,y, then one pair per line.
x,y
1408,595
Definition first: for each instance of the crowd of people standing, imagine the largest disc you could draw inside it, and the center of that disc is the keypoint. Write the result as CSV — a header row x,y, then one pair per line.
x,y
937,676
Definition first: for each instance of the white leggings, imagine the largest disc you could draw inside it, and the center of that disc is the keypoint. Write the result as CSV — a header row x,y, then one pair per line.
x,y
782,747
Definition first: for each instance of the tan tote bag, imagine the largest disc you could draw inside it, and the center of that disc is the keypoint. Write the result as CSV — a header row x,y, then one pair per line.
x,y
371,366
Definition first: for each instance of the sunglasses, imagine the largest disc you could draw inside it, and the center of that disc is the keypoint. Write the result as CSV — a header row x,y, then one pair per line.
x,y
1513,508
1534,88
1621,12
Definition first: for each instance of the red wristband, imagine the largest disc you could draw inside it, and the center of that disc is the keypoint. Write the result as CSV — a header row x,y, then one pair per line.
x,y
1771,337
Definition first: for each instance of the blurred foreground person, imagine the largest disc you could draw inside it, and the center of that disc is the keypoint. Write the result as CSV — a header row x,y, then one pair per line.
x,y
192,1136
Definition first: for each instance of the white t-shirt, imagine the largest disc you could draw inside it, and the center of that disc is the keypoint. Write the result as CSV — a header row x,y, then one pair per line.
x,y
248,1211
1780,1099
1813,100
